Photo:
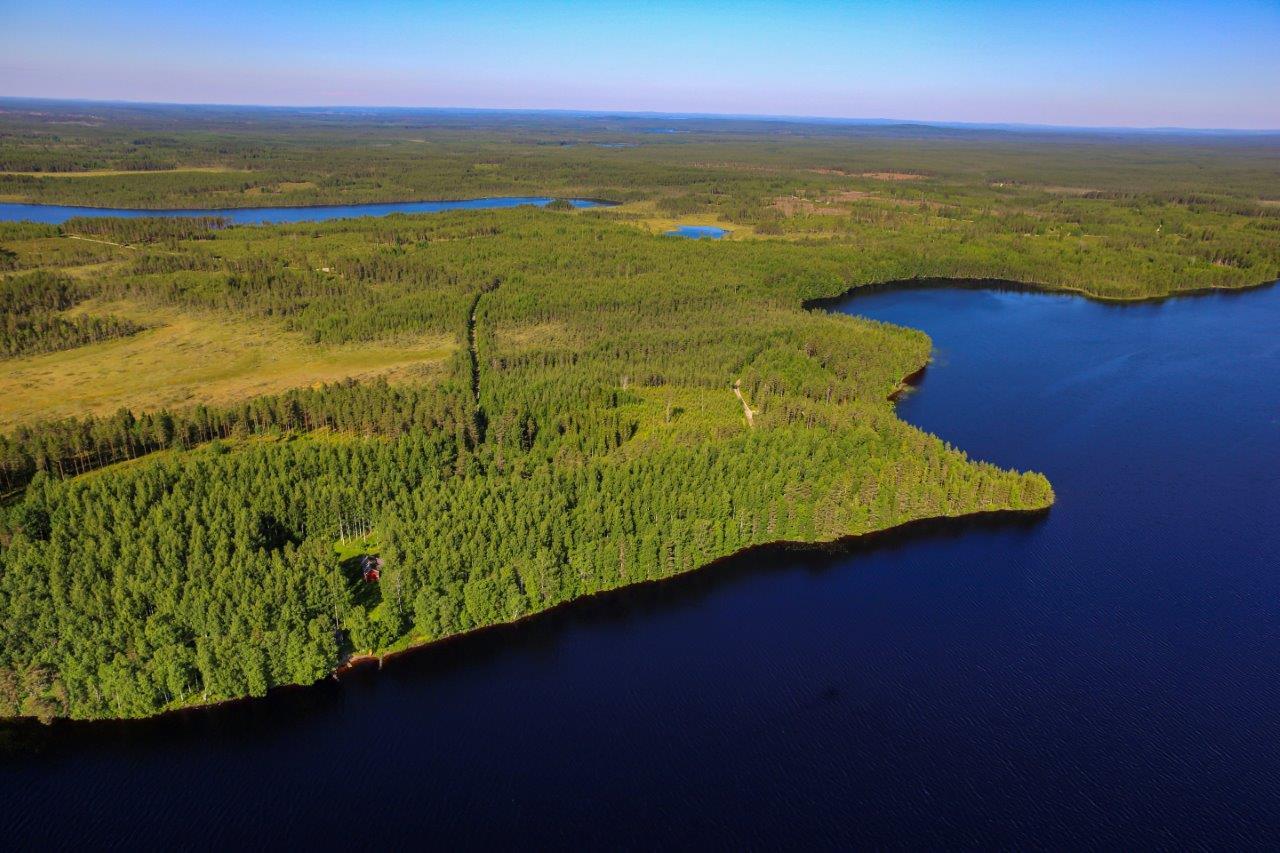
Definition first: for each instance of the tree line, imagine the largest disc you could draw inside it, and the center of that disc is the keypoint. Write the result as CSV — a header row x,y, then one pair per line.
x,y
31,318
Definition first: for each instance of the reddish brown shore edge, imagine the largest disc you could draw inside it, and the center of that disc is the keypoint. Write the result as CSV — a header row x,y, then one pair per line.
x,y
911,380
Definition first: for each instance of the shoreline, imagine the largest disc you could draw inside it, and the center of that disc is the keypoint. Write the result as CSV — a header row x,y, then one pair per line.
x,y
202,211
358,661
355,662
909,382
845,544
823,303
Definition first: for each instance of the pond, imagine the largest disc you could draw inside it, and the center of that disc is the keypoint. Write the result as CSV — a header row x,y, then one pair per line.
x,y
55,214
1108,675
697,232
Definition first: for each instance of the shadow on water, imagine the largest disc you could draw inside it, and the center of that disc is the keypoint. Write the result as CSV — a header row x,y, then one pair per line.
x,y
640,601
290,708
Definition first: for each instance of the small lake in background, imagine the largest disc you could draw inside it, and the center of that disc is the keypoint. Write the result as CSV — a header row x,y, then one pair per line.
x,y
1105,676
698,232
56,214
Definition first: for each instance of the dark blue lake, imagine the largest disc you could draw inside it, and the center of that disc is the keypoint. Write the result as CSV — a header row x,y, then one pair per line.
x,y
697,232
1106,676
56,214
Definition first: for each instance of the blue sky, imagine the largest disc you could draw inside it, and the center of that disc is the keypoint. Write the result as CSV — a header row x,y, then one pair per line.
x,y
1185,64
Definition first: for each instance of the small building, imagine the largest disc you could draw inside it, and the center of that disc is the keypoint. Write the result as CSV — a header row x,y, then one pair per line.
x,y
370,568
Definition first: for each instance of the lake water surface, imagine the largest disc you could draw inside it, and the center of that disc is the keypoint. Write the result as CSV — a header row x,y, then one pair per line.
x,y
1107,675
56,214
697,232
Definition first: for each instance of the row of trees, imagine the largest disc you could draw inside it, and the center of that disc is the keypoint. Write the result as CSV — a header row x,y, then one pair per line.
x,y
144,229
74,446
31,318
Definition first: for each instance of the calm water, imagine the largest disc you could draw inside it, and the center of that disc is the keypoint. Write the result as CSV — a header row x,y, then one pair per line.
x,y
1109,675
56,214
698,232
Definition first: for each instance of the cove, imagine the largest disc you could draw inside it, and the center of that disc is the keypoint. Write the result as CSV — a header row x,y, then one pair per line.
x,y
1108,674
56,214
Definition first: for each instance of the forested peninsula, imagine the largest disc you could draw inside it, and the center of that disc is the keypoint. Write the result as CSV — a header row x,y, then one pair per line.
x,y
206,427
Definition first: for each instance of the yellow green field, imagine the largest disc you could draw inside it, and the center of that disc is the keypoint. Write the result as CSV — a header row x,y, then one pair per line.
x,y
190,358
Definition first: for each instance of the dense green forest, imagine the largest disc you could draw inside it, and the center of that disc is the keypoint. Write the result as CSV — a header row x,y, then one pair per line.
x,y
34,305
585,431
586,436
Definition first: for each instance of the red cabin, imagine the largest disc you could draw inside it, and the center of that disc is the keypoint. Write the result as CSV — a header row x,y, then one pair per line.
x,y
370,568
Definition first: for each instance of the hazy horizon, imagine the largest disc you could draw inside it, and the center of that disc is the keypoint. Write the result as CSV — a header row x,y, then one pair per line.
x,y
668,114
1189,65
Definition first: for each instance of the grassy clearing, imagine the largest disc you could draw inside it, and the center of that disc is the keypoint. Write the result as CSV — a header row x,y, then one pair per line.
x,y
195,358
62,252
645,215
684,417
534,336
